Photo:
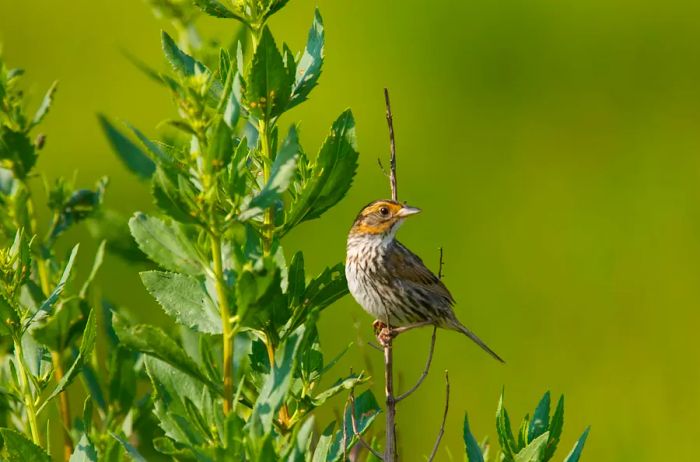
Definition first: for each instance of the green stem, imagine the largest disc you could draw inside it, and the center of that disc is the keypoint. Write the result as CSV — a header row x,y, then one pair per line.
x,y
228,333
269,217
26,391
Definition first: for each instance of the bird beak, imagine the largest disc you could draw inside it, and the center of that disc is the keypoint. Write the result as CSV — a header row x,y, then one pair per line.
x,y
407,211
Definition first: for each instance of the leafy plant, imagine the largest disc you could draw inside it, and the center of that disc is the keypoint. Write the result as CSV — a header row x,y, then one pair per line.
x,y
242,379
47,327
536,440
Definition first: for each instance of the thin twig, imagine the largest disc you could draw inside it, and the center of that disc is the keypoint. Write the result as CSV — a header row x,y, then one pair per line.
x,y
424,374
442,263
444,418
375,346
392,140
354,427
345,439
390,448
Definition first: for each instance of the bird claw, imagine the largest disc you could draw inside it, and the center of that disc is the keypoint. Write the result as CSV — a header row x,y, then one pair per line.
x,y
384,333
378,326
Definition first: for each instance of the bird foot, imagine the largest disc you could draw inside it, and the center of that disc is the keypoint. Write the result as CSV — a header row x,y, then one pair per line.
x,y
377,326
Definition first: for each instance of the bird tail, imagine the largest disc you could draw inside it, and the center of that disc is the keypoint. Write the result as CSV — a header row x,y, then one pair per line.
x,y
458,326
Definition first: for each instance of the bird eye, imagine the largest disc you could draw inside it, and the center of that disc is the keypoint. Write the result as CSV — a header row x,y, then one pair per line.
x,y
384,211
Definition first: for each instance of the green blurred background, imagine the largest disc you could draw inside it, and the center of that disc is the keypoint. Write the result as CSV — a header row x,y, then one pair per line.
x,y
554,149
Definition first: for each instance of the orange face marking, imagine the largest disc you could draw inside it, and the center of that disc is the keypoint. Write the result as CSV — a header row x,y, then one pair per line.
x,y
372,221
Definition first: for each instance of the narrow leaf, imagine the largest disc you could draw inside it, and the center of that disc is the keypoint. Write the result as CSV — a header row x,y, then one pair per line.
x,y
86,346
84,451
268,85
533,452
154,342
129,153
309,68
575,453
472,446
45,105
540,419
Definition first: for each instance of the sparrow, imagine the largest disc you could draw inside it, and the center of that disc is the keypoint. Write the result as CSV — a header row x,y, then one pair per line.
x,y
392,283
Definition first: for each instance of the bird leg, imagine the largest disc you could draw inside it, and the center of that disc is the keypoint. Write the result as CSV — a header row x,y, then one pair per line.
x,y
386,334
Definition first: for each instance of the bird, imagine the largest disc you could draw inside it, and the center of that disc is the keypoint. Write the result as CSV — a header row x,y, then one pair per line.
x,y
392,283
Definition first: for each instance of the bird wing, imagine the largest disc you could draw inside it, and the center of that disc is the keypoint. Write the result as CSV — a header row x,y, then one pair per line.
x,y
409,268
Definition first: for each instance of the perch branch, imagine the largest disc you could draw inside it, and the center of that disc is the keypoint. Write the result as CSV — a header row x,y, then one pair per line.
x,y
424,374
444,418
392,141
442,263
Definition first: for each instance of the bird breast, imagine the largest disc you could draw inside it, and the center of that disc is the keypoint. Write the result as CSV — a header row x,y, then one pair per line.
x,y
364,270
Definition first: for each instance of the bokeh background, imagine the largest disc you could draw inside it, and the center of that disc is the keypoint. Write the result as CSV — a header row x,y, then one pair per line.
x,y
553,146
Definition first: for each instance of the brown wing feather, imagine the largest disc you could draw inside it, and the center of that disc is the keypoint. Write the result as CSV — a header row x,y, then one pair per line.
x,y
407,266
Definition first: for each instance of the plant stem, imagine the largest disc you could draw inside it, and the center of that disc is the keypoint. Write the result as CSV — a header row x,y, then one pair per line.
x,y
390,445
222,295
269,217
43,271
26,391
64,406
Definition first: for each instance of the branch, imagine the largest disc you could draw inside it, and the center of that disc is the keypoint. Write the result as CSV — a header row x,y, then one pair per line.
x,y
424,374
444,418
442,263
392,141
354,427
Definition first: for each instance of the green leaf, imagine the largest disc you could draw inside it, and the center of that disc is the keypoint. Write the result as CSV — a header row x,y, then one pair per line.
x,y
296,278
153,341
185,299
181,62
122,379
533,452
221,145
129,153
181,406
216,9
505,432
342,384
58,330
18,448
331,175
9,319
131,451
86,346
324,444
366,410
472,447
301,442
19,150
96,264
165,243
281,173
540,419
174,195
575,453
84,451
276,386
49,302
268,84
309,67
44,106
556,426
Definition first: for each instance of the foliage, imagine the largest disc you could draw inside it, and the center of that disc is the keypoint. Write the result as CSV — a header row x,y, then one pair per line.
x,y
243,378
536,440
47,322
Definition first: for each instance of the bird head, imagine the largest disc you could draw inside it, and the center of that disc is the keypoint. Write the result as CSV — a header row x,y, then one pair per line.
x,y
381,218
